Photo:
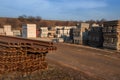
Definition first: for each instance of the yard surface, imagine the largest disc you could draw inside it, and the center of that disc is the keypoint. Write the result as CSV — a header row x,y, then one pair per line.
x,y
104,64
54,72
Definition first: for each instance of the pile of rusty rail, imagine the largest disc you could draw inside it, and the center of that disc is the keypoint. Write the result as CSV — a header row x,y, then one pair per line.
x,y
23,55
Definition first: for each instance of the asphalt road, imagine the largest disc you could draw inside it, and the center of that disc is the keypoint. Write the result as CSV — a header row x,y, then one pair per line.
x,y
94,62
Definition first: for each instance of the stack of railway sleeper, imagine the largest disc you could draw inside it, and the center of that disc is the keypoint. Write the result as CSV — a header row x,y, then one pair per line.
x,y
23,55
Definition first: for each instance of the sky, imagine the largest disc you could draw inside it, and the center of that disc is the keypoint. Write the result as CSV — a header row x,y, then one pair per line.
x,y
62,9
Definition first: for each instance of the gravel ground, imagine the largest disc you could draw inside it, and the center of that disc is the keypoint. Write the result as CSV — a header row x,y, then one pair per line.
x,y
54,72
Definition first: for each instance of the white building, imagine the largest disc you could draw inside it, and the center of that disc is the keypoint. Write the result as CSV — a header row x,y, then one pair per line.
x,y
29,31
44,32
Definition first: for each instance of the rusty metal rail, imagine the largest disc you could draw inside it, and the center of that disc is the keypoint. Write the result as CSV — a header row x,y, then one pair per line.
x,y
23,55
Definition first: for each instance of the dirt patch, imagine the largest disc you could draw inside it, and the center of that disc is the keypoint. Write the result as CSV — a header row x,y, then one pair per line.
x,y
54,72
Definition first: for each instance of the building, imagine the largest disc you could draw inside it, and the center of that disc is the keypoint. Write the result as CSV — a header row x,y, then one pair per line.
x,y
29,31
43,32
95,36
111,34
80,34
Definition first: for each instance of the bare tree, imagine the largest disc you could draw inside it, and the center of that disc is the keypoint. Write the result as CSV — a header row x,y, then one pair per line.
x,y
22,18
38,18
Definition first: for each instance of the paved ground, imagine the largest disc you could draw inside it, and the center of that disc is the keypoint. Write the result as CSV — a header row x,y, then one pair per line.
x,y
95,62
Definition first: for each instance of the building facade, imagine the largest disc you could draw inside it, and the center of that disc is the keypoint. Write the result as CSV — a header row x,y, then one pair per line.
x,y
111,34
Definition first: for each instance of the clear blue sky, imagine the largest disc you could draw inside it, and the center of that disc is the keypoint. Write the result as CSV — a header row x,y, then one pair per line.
x,y
62,9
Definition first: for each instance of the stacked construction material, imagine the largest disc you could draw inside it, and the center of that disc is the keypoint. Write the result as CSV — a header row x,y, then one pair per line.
x,y
29,31
16,32
2,31
95,36
111,34
7,30
23,55
80,34
43,32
